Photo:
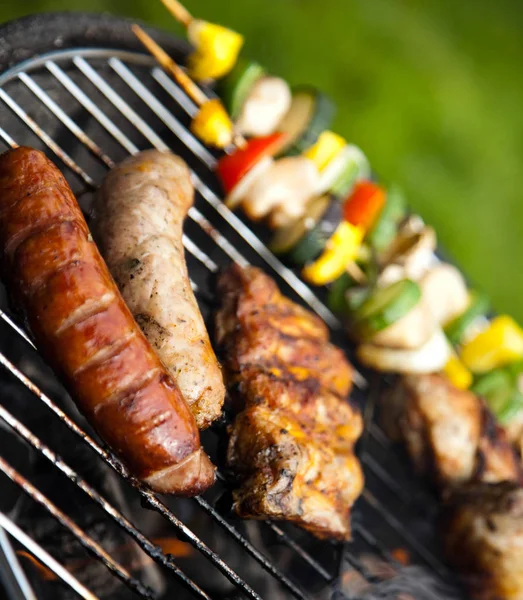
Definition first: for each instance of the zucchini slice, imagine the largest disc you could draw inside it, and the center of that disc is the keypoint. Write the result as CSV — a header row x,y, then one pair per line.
x,y
311,112
348,167
479,305
235,87
385,306
337,296
499,389
312,244
287,237
385,229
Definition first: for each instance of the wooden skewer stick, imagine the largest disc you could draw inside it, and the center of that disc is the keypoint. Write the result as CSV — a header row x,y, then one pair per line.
x,y
178,11
192,90
170,65
356,273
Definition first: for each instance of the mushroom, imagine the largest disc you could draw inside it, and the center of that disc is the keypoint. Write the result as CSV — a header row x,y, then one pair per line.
x,y
267,103
283,190
445,292
413,248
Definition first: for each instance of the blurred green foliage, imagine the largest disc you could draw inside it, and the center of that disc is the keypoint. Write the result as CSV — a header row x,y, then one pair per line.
x,y
432,91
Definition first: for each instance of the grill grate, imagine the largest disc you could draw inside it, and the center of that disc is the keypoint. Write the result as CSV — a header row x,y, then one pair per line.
x,y
90,108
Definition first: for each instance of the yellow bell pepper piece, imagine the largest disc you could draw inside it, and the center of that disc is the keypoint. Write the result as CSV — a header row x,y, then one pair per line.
x,y
341,249
217,50
498,345
457,373
212,124
328,146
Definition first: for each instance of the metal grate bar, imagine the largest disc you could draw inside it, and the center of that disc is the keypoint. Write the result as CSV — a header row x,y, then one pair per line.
x,y
16,327
358,566
288,541
379,435
120,103
161,112
371,540
86,541
14,577
45,558
217,237
385,477
91,107
369,411
206,261
175,92
8,140
145,544
254,552
427,556
46,139
44,97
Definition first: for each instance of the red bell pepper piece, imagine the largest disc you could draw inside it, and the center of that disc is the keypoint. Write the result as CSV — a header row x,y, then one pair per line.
x,y
232,168
364,204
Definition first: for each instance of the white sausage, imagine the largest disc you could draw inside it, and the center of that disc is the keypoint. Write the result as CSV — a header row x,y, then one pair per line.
x,y
139,217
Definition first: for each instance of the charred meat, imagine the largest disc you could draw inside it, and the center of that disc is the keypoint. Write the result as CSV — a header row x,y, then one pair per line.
x,y
448,433
483,526
292,442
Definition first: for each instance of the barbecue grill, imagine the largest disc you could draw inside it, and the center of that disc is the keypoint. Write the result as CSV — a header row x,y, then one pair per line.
x,y
78,87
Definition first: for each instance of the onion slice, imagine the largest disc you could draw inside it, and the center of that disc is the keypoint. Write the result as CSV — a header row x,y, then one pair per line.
x,y
429,358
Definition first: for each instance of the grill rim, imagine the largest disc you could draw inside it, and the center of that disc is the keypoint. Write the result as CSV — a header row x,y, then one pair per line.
x,y
60,30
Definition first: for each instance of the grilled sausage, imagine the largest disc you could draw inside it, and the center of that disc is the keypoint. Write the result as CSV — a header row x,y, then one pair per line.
x,y
138,224
81,324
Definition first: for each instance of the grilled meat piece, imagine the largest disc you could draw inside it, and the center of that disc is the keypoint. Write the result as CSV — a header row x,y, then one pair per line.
x,y
293,446
292,443
514,431
257,326
483,525
448,433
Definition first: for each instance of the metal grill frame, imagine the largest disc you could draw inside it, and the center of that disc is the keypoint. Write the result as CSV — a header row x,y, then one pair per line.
x,y
122,64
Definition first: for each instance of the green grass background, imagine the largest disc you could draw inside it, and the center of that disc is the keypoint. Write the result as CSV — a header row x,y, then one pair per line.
x,y
432,91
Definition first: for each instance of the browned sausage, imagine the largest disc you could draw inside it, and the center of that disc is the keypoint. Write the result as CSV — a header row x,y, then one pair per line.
x,y
82,326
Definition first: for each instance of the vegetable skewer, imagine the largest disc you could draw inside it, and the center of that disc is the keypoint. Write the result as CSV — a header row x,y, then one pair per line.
x,y
351,233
